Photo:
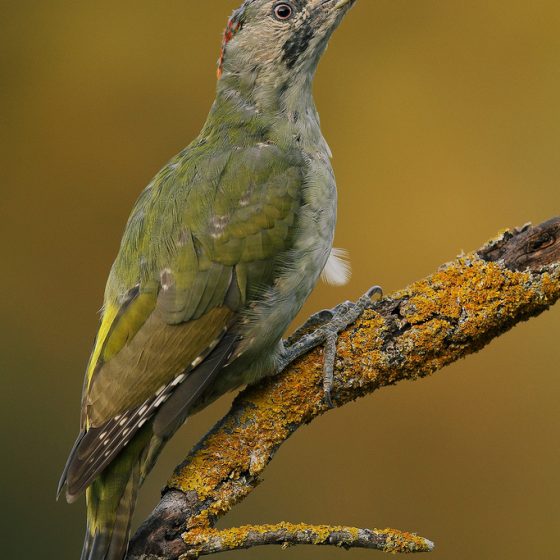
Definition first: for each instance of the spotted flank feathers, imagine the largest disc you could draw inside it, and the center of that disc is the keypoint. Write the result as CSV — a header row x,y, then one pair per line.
x,y
337,271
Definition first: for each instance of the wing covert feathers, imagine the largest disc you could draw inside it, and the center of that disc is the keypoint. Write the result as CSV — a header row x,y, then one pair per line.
x,y
157,354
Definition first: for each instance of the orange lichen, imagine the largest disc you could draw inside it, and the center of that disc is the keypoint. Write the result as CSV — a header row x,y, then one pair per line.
x,y
433,322
220,469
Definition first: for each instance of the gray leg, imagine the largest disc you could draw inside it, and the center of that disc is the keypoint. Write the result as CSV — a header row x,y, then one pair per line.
x,y
328,324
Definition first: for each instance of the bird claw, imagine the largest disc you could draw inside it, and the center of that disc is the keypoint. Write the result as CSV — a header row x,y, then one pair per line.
x,y
316,320
327,324
371,297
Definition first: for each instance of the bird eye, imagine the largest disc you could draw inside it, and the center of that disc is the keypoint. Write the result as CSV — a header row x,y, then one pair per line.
x,y
283,11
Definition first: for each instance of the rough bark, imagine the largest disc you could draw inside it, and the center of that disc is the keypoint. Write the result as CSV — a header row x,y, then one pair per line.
x,y
410,334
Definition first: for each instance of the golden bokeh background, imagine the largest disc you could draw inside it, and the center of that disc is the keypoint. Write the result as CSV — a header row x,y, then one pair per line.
x,y
444,120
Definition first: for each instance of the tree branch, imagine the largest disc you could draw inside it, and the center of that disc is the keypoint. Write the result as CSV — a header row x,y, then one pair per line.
x,y
211,541
452,313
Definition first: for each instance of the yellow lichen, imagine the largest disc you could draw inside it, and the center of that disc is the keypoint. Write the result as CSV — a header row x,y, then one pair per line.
x,y
390,540
403,542
440,319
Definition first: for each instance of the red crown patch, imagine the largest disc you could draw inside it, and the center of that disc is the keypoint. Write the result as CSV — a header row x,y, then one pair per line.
x,y
233,26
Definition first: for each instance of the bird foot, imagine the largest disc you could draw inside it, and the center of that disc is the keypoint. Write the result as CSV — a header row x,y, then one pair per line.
x,y
323,328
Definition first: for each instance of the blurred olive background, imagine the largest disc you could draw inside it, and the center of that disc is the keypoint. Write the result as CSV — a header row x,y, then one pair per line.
x,y
444,121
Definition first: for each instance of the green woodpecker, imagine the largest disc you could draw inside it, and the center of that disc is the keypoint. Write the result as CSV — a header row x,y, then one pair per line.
x,y
219,254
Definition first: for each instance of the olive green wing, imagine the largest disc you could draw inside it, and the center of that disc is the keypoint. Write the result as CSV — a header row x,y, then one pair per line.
x,y
125,391
191,277
209,249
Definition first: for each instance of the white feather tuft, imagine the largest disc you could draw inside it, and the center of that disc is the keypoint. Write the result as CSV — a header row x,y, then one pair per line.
x,y
337,271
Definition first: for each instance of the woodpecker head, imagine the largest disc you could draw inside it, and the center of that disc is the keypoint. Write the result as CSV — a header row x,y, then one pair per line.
x,y
279,40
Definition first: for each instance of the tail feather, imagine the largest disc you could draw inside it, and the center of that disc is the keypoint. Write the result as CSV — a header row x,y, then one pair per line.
x,y
111,496
111,500
109,540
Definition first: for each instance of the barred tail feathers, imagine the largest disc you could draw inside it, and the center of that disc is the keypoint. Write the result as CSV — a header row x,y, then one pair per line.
x,y
111,499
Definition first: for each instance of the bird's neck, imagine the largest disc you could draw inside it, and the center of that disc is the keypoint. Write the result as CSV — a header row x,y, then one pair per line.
x,y
249,108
